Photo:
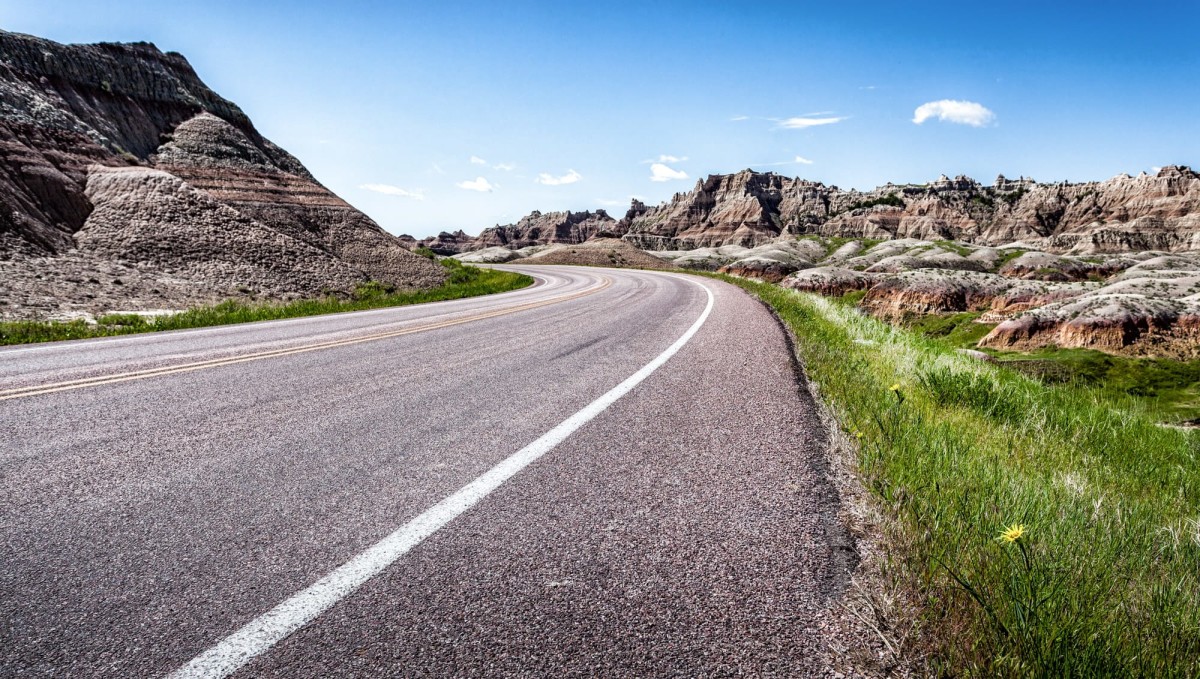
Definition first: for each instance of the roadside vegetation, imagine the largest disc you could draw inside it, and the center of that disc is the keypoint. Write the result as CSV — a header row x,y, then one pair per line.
x,y
1168,389
464,281
1046,530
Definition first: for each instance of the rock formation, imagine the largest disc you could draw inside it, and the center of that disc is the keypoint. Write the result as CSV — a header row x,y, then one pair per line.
x,y
1140,304
748,209
534,229
117,157
598,251
1160,212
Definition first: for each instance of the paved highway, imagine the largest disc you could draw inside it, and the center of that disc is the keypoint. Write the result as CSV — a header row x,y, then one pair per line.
x,y
611,473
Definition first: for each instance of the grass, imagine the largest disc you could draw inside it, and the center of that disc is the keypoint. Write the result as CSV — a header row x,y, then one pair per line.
x,y
463,281
959,330
1169,389
1105,579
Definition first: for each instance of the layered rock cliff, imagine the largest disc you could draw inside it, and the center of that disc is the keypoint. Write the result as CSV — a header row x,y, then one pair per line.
x,y
119,155
536,228
1160,212
747,209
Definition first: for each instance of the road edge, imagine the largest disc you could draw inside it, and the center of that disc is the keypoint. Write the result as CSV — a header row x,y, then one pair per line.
x,y
869,620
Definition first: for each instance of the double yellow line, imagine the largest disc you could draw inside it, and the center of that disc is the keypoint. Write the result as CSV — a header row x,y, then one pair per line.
x,y
37,390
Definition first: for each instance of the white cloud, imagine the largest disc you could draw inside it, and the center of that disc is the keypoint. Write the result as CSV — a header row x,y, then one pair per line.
x,y
504,167
550,180
802,122
799,160
480,184
389,190
437,169
954,111
476,160
664,158
662,173
738,119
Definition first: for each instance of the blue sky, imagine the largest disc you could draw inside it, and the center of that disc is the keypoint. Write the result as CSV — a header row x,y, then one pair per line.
x,y
439,116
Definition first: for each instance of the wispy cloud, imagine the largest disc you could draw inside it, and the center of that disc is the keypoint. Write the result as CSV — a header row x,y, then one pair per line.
x,y
550,180
664,158
809,120
389,190
476,160
504,167
479,184
954,111
738,119
663,173
798,160
436,169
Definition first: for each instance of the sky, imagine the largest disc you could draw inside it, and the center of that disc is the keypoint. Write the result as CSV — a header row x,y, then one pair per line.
x,y
461,115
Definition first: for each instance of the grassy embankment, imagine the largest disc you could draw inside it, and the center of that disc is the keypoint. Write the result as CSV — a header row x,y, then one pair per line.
x,y
464,281
1104,576
1170,389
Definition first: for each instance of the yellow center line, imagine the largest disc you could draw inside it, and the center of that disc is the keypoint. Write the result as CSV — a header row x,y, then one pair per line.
x,y
36,390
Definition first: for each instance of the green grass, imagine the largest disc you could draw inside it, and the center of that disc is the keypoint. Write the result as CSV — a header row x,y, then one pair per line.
x,y
1169,389
958,330
956,248
1106,580
464,281
891,200
1007,255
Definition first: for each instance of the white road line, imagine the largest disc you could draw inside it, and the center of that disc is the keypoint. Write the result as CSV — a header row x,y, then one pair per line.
x,y
265,631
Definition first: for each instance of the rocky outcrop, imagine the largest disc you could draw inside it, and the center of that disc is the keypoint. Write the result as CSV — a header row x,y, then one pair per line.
x,y
536,228
750,208
1151,315
120,153
935,291
1141,304
830,281
612,252
774,261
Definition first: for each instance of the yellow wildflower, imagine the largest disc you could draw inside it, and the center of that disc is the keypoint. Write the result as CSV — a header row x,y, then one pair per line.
x,y
896,387
1012,533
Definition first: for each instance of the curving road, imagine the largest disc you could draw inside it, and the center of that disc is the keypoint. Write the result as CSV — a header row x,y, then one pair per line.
x,y
611,473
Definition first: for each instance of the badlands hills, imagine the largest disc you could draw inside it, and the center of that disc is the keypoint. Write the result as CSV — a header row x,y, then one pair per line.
x,y
1112,265
126,183
1122,214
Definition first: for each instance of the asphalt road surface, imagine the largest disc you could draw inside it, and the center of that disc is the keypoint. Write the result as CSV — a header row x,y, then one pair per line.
x,y
611,473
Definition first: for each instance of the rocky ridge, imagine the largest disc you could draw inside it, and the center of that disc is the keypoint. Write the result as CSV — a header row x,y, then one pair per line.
x,y
118,163
1158,212
748,208
536,228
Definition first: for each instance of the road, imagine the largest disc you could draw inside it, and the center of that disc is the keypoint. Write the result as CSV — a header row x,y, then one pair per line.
x,y
611,473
